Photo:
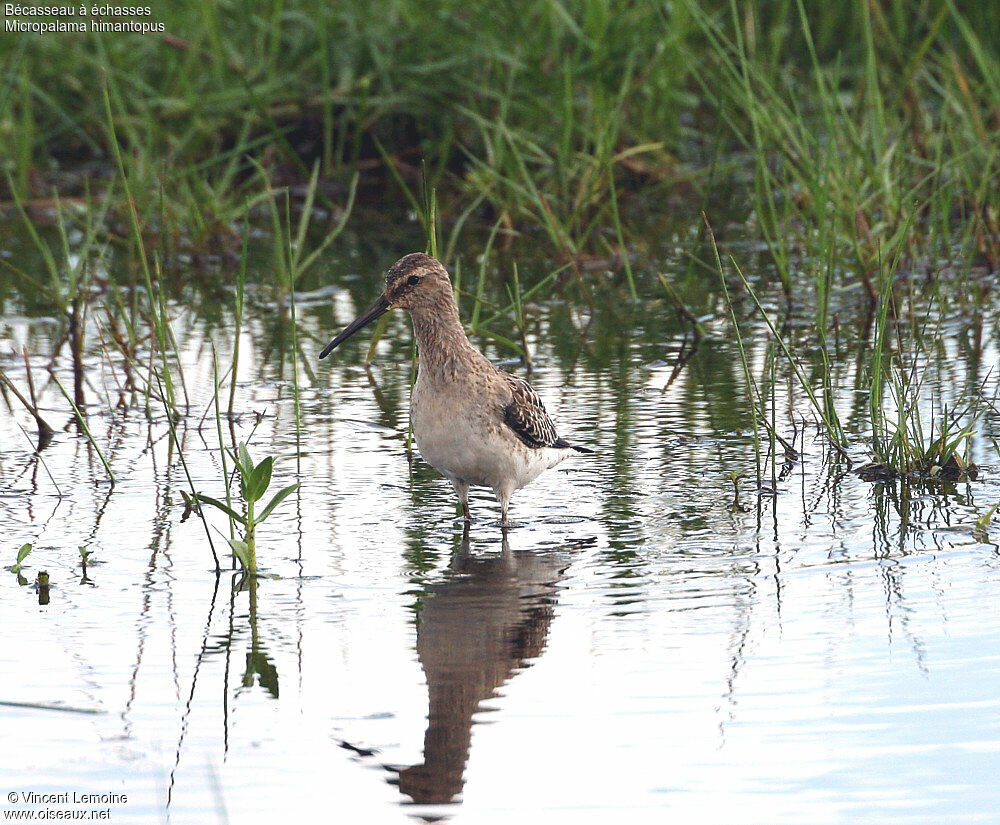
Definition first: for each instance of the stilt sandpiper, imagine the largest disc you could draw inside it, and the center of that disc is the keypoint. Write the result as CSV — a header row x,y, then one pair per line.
x,y
473,422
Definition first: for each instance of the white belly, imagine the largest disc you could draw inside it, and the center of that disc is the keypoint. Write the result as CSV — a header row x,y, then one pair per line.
x,y
465,441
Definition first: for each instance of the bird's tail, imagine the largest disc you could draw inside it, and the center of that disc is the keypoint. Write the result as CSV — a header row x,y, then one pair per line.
x,y
564,444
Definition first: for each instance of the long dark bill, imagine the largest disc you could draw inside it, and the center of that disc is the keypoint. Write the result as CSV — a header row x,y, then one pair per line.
x,y
374,312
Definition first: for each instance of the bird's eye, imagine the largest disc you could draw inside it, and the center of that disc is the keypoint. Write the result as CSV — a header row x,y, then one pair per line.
x,y
413,280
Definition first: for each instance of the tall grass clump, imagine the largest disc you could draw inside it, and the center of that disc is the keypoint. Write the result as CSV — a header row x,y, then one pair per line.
x,y
915,434
467,87
864,147
858,118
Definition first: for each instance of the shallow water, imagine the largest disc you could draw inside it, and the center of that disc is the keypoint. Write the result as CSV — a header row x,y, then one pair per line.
x,y
636,647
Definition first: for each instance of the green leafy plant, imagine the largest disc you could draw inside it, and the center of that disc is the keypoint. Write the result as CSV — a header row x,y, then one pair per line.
x,y
22,554
254,481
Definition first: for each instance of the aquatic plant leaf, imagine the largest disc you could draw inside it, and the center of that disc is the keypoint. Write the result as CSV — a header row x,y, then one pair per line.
x,y
259,479
279,497
241,551
245,462
245,465
218,504
22,554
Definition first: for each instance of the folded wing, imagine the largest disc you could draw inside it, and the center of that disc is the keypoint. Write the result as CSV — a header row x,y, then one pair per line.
x,y
525,415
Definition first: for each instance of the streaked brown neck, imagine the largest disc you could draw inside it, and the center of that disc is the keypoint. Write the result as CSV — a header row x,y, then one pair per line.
x,y
445,350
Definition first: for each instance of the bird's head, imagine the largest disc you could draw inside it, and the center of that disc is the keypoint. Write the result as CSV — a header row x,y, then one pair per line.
x,y
415,282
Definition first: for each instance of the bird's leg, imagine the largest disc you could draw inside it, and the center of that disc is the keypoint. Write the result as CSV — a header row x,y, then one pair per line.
x,y
462,490
503,496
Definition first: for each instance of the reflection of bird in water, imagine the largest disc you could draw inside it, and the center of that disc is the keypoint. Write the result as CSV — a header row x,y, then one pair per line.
x,y
475,423
476,628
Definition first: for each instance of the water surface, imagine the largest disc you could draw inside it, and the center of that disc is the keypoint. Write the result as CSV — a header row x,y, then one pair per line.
x,y
637,647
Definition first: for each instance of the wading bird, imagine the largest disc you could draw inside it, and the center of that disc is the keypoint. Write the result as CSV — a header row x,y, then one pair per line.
x,y
473,422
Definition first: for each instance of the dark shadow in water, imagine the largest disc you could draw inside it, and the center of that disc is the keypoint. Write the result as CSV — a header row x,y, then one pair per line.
x,y
475,630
